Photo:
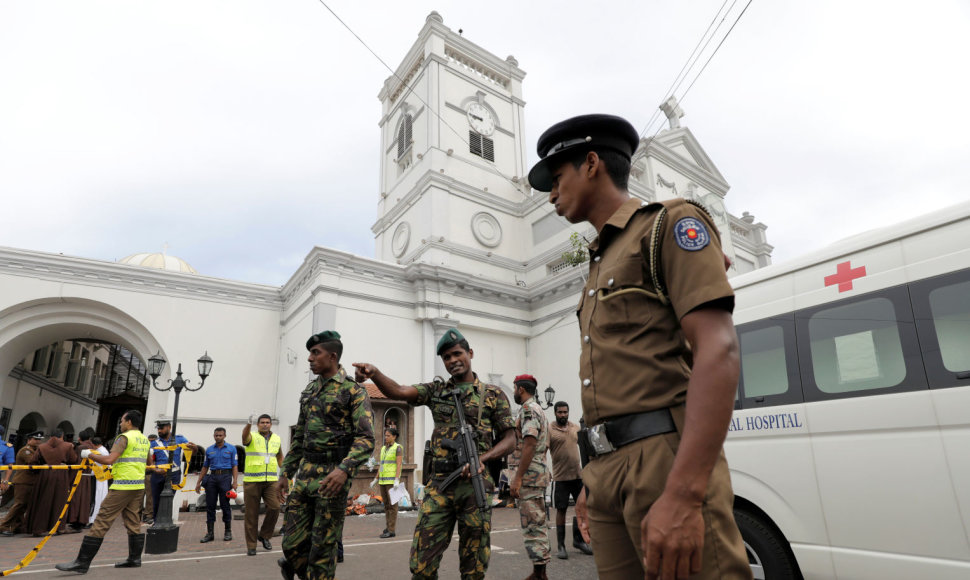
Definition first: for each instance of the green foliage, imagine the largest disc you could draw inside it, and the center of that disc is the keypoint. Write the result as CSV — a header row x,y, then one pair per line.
x,y
579,254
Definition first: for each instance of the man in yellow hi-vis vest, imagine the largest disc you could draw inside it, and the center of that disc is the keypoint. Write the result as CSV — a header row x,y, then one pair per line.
x,y
129,456
392,455
264,455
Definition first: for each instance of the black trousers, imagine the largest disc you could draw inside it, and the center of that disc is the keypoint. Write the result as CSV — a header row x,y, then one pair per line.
x,y
158,484
216,487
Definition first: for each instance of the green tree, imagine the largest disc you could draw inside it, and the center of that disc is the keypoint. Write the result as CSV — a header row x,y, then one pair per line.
x,y
579,254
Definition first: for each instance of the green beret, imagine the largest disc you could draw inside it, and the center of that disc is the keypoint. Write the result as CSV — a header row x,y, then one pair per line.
x,y
325,336
451,337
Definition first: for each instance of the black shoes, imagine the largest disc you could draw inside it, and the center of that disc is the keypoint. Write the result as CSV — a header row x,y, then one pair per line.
x,y
6,533
388,534
209,535
251,552
228,535
266,544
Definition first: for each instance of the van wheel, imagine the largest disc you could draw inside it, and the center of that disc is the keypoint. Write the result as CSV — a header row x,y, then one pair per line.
x,y
767,550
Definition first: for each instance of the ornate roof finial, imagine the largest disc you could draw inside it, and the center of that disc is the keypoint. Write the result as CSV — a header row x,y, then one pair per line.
x,y
434,16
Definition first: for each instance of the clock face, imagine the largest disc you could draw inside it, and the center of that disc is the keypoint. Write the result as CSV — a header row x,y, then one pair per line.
x,y
480,119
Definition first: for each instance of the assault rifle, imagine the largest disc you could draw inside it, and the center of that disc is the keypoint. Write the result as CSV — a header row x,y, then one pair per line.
x,y
466,449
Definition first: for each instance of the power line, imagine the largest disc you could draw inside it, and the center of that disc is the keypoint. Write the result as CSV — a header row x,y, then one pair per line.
x,y
745,9
697,48
676,83
410,90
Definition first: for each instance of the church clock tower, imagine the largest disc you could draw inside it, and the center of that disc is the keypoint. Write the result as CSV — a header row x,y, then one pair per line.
x,y
452,190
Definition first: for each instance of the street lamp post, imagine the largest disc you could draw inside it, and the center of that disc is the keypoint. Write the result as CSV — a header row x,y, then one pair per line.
x,y
163,536
550,395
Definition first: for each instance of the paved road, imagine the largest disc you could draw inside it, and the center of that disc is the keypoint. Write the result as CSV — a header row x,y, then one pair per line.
x,y
367,556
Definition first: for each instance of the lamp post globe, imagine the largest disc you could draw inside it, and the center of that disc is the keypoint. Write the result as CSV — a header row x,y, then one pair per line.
x,y
550,394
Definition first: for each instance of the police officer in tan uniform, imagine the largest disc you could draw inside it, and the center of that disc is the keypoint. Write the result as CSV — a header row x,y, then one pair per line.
x,y
658,368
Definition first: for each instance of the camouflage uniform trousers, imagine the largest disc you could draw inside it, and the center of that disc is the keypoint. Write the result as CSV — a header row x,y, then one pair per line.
x,y
314,524
436,524
532,515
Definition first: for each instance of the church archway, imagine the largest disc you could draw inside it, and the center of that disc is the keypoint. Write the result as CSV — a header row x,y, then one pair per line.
x,y
67,428
31,422
32,325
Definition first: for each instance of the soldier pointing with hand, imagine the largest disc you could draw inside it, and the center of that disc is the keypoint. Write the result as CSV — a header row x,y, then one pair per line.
x,y
486,409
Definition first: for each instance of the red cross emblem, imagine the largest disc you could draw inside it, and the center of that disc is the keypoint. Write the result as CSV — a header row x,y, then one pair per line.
x,y
844,275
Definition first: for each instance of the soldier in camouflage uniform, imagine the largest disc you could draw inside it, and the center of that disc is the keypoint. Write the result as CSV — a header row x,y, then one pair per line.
x,y
486,409
333,436
532,476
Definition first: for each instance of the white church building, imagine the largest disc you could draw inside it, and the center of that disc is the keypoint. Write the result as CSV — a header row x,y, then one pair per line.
x,y
461,240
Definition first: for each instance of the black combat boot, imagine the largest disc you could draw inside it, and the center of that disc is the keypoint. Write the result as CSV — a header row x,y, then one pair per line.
x,y
286,569
561,542
89,547
578,541
209,536
538,572
228,536
136,543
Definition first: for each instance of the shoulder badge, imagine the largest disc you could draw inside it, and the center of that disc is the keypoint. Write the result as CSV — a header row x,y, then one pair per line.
x,y
691,234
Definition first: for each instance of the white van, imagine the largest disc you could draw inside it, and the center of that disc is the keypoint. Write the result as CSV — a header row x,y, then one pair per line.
x,y
849,446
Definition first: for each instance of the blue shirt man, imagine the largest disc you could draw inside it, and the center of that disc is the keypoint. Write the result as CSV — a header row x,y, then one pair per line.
x,y
163,457
7,453
220,457
218,476
7,457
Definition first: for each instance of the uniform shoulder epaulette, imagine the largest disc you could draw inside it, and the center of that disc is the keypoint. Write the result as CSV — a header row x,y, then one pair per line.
x,y
679,201
655,239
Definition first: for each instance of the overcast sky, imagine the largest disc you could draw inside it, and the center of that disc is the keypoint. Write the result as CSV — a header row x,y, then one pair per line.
x,y
243,133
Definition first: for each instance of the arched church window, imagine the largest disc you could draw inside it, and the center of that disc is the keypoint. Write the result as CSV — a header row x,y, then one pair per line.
x,y
404,135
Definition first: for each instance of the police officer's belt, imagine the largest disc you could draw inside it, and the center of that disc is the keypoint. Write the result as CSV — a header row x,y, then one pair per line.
x,y
335,455
220,471
609,436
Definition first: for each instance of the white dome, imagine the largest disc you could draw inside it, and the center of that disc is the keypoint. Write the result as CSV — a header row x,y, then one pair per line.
x,y
159,260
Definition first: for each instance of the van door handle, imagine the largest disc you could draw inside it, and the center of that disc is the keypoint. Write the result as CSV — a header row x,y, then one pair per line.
x,y
964,375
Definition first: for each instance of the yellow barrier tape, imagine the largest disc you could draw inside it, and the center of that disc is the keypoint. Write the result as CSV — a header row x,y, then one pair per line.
x,y
40,545
18,467
187,451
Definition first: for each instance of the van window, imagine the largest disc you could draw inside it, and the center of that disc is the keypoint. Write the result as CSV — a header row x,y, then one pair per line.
x,y
950,308
764,369
856,347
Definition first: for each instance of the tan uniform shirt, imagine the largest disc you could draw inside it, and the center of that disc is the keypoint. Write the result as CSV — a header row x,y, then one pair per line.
x,y
532,422
634,354
564,447
26,456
